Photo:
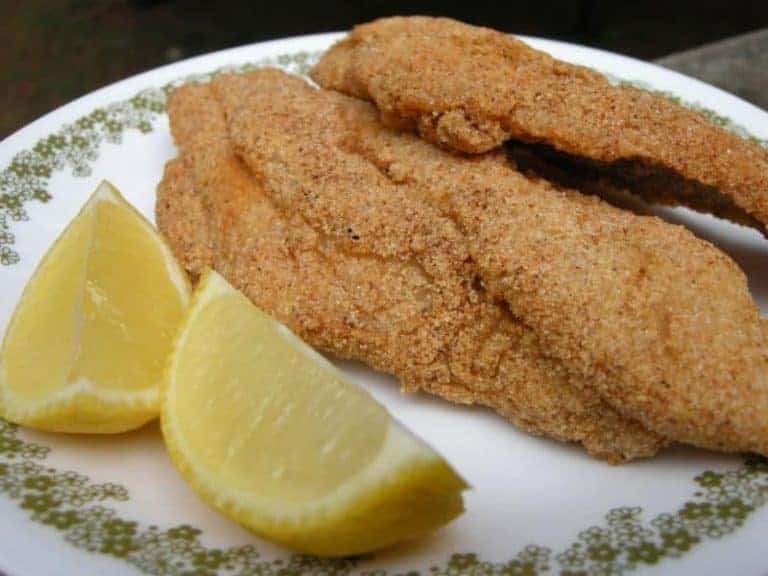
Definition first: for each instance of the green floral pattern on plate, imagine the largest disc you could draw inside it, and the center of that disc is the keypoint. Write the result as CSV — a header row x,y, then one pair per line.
x,y
71,504
75,146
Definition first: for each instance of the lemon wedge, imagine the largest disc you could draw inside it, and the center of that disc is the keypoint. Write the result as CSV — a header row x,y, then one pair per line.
x,y
86,348
271,434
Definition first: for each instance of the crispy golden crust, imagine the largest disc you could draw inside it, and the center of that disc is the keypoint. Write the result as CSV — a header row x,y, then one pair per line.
x,y
660,322
182,220
323,240
470,89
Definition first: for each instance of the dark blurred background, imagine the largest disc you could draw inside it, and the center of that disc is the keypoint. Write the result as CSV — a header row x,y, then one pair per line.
x,y
57,50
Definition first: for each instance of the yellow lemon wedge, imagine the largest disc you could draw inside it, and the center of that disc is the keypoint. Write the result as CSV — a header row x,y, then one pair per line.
x,y
271,434
87,346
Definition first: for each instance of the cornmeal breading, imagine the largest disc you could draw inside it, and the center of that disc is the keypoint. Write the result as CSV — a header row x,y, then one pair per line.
x,y
656,320
265,191
471,89
375,242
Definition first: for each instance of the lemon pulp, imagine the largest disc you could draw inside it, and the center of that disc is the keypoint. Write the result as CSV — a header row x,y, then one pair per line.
x,y
87,345
270,433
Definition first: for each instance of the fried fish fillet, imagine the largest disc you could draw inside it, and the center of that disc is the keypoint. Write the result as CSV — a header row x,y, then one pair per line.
x,y
656,320
320,238
471,89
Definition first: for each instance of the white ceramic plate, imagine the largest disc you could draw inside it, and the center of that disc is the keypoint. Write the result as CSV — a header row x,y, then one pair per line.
x,y
86,505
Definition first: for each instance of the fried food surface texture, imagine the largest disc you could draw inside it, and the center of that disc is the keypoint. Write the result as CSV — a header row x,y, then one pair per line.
x,y
267,191
471,89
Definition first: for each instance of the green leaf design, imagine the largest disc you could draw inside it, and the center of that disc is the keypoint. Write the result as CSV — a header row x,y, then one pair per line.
x,y
73,505
75,146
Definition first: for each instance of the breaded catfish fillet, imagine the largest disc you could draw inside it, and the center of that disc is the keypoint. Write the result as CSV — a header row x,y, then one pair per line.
x,y
659,322
471,89
321,239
